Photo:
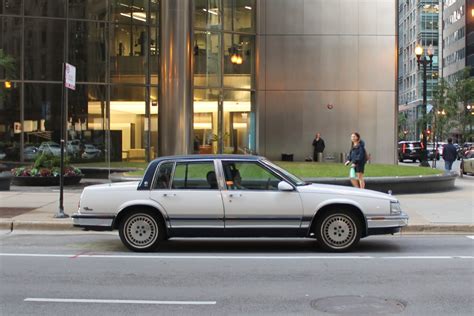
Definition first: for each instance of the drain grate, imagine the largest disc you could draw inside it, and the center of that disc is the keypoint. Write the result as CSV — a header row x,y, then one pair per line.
x,y
358,305
9,212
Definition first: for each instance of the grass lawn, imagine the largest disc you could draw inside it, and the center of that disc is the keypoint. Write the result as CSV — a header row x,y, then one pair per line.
x,y
337,170
334,170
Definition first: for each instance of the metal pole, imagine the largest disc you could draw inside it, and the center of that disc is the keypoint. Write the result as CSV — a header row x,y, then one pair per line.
x,y
61,213
424,156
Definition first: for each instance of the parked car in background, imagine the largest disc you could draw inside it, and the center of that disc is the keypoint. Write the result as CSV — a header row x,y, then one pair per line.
x,y
74,147
409,150
30,152
50,148
433,153
91,152
467,163
234,196
466,148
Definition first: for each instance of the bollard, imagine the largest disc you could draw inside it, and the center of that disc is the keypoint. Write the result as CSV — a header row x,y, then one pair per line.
x,y
319,157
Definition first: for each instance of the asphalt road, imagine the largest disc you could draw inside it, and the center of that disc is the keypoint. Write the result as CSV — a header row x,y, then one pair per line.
x,y
93,274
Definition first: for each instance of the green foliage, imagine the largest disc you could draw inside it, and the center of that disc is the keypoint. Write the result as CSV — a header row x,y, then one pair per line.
x,y
7,63
46,160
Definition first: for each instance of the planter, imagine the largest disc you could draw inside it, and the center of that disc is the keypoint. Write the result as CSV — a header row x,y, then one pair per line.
x,y
5,180
45,181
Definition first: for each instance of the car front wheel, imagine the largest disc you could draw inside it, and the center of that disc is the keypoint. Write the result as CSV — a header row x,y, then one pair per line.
x,y
338,231
141,231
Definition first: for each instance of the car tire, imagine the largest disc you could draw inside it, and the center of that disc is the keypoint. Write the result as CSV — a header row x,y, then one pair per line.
x,y
338,230
142,230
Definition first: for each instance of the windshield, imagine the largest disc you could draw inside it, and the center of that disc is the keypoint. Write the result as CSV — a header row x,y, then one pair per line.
x,y
294,179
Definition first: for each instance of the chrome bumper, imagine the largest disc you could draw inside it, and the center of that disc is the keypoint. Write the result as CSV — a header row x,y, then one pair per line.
x,y
387,221
90,221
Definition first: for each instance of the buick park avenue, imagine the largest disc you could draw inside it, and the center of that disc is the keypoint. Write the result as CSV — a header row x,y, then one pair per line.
x,y
234,196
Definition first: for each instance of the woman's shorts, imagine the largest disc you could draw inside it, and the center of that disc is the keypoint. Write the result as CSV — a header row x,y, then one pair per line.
x,y
359,168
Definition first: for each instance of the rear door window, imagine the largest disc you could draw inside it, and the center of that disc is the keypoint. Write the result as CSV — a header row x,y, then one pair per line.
x,y
199,175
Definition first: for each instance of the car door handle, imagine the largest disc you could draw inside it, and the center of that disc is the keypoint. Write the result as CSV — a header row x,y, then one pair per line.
x,y
169,194
235,195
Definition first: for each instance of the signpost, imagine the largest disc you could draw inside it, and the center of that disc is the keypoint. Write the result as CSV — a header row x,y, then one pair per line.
x,y
69,82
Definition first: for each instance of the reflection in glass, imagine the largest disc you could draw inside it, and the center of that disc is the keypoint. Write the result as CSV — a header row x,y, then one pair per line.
x,y
10,124
239,123
239,15
87,50
205,121
128,120
42,122
207,59
239,60
10,6
208,14
88,9
54,8
44,49
85,128
10,43
134,11
128,44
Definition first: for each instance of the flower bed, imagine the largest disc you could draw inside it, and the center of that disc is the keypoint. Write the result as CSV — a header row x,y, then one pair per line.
x,y
45,172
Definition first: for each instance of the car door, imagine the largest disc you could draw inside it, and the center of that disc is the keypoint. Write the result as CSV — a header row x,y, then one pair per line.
x,y
189,193
252,199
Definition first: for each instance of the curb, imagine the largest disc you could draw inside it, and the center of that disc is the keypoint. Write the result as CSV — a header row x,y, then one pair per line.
x,y
59,225
66,225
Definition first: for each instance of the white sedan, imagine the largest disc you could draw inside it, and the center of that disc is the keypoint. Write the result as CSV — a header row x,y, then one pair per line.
x,y
234,196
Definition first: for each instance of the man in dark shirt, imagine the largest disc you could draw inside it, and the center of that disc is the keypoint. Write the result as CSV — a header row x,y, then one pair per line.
x,y
318,144
449,154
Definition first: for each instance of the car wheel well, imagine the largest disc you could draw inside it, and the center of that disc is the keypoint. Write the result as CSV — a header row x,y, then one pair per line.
x,y
340,206
133,208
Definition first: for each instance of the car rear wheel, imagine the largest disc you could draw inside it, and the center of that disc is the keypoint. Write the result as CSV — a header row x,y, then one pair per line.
x,y
141,231
338,230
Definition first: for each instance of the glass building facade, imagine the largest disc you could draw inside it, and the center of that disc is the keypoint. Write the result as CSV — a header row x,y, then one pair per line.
x,y
115,46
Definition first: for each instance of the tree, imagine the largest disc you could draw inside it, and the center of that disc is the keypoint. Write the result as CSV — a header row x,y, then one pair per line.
x,y
444,109
7,65
461,96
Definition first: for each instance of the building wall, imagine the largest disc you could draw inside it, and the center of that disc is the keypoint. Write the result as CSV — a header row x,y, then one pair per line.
x,y
315,53
454,38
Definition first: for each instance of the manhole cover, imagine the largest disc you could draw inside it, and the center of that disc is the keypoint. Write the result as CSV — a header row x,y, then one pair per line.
x,y
358,305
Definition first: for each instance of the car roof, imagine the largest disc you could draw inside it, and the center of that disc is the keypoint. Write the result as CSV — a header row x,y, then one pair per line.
x,y
208,157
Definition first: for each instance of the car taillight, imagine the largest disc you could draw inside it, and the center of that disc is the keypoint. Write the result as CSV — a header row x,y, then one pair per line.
x,y
404,147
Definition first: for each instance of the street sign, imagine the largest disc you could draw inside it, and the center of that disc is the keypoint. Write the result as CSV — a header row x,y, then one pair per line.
x,y
70,77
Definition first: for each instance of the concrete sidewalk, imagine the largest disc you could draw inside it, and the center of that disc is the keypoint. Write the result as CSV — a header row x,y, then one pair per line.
x,y
445,212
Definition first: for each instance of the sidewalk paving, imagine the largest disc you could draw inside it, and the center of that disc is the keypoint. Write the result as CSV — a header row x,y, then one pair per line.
x,y
444,212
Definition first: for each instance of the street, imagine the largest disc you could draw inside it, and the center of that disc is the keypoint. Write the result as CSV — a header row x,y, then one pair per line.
x,y
92,273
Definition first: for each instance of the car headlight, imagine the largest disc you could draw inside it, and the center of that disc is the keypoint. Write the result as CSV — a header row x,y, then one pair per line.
x,y
395,208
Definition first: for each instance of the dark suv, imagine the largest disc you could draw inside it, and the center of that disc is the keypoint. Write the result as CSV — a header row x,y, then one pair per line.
x,y
409,150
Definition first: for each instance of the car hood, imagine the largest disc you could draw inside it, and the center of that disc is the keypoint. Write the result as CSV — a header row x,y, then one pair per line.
x,y
344,190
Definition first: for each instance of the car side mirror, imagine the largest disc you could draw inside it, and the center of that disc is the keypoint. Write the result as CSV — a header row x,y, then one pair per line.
x,y
284,186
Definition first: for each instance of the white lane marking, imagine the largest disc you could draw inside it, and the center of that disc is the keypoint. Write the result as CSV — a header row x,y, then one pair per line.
x,y
71,300
164,257
472,237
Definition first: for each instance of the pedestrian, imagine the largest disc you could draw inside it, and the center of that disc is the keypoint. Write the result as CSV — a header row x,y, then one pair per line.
x,y
318,144
449,155
357,159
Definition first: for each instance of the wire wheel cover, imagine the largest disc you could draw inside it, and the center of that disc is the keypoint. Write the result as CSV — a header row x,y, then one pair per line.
x,y
338,230
141,230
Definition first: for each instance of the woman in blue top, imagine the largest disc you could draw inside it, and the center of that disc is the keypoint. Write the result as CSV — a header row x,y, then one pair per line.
x,y
357,160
